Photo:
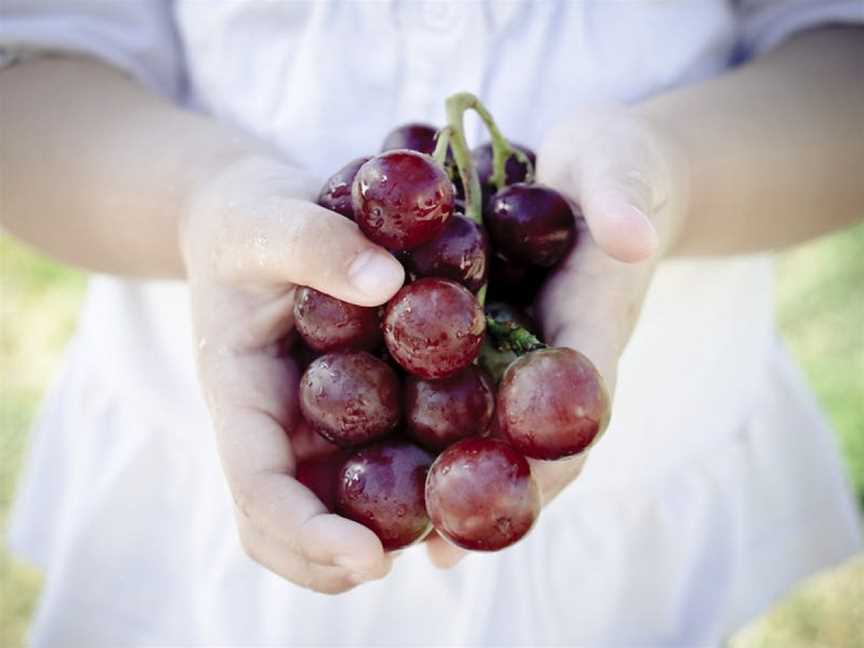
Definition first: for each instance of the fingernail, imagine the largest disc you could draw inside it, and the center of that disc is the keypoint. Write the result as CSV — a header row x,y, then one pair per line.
x,y
376,274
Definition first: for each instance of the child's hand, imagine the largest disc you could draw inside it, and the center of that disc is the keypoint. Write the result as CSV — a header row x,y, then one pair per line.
x,y
249,237
631,185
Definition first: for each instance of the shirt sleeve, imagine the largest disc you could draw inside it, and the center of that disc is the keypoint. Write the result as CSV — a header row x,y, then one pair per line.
x,y
137,36
765,24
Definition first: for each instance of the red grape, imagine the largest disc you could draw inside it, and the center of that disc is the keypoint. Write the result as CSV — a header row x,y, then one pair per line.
x,y
382,487
552,403
329,324
441,412
402,199
481,495
460,253
434,328
531,224
336,193
321,476
350,397
416,137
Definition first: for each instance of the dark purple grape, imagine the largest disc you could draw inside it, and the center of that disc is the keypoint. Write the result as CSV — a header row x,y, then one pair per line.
x,y
481,495
514,170
514,282
441,412
321,476
415,137
531,224
402,199
434,328
460,253
350,397
329,324
336,193
552,403
382,488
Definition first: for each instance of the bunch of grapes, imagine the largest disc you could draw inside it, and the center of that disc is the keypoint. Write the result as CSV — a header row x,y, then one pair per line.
x,y
433,402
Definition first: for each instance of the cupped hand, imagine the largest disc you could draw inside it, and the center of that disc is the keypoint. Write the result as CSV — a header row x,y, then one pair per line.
x,y
631,184
251,236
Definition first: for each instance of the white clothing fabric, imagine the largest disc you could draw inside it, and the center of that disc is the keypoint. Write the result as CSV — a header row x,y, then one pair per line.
x,y
716,487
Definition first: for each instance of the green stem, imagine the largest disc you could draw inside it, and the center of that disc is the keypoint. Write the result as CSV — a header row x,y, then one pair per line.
x,y
456,106
454,134
501,149
507,335
442,143
495,361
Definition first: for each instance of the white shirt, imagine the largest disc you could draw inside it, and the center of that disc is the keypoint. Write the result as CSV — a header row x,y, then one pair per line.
x,y
716,486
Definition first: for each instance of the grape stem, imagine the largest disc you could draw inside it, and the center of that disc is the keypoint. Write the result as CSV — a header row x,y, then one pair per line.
x,y
509,336
442,143
505,341
456,106
502,150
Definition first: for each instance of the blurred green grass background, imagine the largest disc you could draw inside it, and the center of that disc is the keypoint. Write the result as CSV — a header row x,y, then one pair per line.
x,y
820,298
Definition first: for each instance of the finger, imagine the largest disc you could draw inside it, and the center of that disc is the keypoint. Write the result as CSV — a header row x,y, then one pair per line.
x,y
614,170
252,397
321,578
616,205
283,240
443,554
615,198
306,443
554,476
259,461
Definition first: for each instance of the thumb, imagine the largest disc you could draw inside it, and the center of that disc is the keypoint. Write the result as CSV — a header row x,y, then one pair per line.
x,y
298,242
610,163
617,204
